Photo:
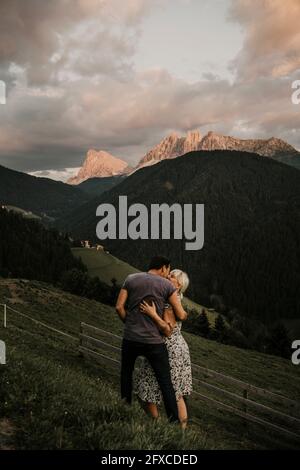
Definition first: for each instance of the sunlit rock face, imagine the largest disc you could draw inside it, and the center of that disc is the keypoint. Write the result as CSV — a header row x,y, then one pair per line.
x,y
267,148
173,146
99,164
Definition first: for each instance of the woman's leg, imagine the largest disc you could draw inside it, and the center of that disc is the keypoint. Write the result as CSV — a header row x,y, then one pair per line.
x,y
150,408
182,412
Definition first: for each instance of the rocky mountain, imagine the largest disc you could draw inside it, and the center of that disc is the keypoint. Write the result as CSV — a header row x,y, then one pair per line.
x,y
251,247
173,146
99,164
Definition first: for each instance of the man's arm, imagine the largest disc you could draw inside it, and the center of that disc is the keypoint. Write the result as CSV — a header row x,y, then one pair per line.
x,y
120,305
179,311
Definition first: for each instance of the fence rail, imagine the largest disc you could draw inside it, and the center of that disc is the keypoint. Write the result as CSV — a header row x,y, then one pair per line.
x,y
37,322
248,402
248,416
91,346
246,386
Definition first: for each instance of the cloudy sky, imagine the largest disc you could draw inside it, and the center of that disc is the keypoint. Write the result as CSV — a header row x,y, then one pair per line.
x,y
119,75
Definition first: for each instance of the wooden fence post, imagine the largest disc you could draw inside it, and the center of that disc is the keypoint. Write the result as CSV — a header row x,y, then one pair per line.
x,y
245,395
80,342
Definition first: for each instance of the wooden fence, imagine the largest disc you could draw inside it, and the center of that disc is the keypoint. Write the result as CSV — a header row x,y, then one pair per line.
x,y
253,404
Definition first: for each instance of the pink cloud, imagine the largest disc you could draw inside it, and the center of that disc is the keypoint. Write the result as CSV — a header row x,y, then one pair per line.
x,y
272,37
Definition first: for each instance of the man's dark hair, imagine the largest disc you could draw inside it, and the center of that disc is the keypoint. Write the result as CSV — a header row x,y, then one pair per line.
x,y
158,262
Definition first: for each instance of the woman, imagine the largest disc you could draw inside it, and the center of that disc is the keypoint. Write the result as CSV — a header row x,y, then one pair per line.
x,y
147,387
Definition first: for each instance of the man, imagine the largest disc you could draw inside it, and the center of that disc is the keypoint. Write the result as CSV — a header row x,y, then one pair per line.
x,y
142,337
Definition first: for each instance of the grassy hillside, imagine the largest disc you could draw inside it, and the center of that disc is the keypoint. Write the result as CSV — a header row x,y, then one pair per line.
x,y
52,398
106,266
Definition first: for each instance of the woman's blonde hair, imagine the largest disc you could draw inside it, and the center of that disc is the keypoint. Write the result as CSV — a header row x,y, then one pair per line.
x,y
182,278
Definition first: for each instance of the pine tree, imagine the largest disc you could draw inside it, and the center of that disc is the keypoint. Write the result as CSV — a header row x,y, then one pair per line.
x,y
279,341
74,281
202,324
115,289
220,328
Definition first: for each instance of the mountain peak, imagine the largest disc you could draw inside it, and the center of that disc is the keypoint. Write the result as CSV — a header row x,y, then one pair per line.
x,y
173,135
171,147
99,163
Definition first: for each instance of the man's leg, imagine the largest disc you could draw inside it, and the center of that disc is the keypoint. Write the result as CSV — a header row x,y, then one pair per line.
x,y
128,358
157,355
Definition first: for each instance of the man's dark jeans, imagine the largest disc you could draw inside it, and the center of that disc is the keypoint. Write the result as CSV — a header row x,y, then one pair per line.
x,y
157,356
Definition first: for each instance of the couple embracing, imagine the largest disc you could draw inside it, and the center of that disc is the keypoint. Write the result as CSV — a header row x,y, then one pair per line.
x,y
150,306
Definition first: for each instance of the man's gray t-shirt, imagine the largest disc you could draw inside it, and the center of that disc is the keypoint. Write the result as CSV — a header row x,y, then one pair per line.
x,y
138,326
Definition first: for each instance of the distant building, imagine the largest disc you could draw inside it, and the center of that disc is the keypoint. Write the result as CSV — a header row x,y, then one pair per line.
x,y
86,244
